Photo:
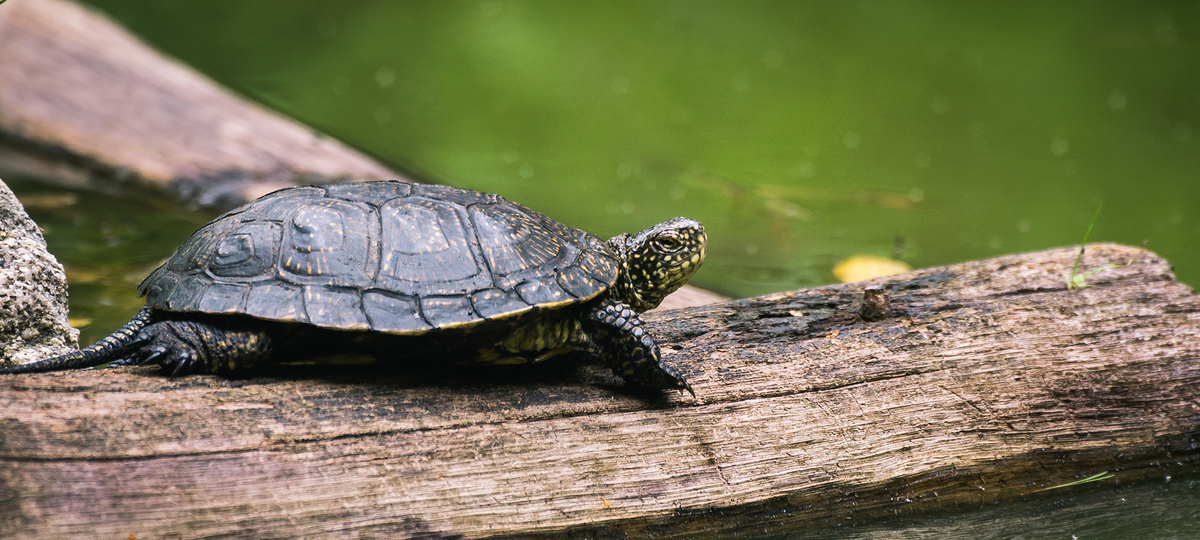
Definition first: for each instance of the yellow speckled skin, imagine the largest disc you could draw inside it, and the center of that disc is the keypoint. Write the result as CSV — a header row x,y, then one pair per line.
x,y
407,260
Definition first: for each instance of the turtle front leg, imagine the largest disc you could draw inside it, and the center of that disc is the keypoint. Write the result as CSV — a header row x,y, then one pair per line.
x,y
618,336
183,347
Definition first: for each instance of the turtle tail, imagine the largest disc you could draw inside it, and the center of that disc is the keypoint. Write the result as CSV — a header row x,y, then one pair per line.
x,y
100,352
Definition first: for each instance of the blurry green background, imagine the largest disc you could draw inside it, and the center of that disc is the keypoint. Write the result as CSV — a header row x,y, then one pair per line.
x,y
800,133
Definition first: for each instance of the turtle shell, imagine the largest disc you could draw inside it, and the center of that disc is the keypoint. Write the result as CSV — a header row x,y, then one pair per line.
x,y
394,257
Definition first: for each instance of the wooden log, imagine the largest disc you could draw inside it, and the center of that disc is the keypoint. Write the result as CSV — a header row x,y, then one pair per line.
x,y
990,380
86,104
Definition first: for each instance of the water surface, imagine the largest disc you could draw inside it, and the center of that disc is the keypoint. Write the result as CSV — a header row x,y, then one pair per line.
x,y
800,133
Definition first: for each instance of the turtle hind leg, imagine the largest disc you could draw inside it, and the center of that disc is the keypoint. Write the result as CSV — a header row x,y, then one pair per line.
x,y
617,335
100,352
183,347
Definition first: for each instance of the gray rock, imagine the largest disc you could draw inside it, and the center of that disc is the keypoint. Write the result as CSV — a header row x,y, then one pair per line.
x,y
33,290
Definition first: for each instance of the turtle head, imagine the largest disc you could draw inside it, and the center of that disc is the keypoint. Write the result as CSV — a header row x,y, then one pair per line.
x,y
658,260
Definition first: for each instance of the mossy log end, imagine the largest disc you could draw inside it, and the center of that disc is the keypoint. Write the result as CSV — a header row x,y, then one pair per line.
x,y
989,381
87,104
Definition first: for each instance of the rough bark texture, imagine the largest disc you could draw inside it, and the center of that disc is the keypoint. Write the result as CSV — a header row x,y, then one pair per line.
x,y
85,103
33,290
990,380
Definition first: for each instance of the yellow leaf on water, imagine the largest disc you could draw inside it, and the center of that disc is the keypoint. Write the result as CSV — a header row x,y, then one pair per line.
x,y
79,276
79,322
860,267
48,200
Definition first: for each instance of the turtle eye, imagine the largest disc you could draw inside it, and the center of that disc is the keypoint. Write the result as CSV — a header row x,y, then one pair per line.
x,y
669,244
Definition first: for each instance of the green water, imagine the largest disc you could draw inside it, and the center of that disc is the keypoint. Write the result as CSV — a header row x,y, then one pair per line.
x,y
800,133
1168,507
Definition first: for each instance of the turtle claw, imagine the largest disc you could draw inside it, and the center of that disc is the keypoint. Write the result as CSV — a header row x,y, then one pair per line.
x,y
673,379
183,363
154,354
164,347
133,355
173,360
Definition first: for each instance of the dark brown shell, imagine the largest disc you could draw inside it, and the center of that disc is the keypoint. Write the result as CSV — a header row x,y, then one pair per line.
x,y
394,257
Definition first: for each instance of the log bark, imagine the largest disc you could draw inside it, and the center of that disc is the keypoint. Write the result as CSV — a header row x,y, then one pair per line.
x,y
989,381
86,104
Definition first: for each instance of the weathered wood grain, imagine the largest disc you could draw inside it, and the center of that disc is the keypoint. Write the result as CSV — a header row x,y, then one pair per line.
x,y
85,103
990,381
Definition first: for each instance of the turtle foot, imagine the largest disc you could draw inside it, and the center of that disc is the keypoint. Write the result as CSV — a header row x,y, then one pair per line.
x,y
184,347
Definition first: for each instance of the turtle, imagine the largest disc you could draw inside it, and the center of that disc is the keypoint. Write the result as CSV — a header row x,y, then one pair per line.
x,y
400,269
